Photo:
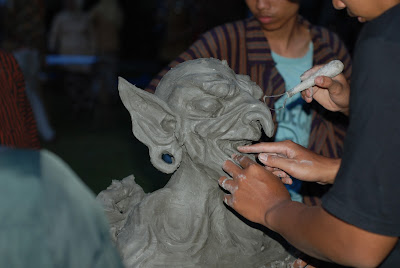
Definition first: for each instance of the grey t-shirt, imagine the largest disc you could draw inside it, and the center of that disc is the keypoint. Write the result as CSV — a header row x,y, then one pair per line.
x,y
49,218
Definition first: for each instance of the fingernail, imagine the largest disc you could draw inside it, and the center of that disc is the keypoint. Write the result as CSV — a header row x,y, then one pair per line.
x,y
319,80
263,157
240,148
224,164
223,183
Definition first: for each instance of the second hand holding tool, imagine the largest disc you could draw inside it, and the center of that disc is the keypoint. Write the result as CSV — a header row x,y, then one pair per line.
x,y
330,69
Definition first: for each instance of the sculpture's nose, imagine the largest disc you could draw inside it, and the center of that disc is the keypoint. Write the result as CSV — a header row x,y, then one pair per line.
x,y
259,112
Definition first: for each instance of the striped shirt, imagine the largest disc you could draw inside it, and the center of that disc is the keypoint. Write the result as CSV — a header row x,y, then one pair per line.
x,y
243,45
17,124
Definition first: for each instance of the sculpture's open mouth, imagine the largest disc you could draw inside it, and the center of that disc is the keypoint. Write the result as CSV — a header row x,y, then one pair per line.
x,y
230,147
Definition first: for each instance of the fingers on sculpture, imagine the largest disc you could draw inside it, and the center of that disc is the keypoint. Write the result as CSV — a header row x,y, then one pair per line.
x,y
201,111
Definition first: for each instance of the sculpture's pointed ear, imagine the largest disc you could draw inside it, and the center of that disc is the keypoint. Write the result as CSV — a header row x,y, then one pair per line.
x,y
153,123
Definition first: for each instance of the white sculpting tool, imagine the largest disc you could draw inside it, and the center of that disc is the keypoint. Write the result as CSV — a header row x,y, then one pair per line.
x,y
330,69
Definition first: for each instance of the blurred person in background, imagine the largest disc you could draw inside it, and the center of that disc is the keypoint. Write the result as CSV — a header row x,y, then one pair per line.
x,y
25,38
71,35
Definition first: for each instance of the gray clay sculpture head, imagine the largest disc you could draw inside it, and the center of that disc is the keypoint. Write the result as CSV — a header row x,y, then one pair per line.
x,y
201,111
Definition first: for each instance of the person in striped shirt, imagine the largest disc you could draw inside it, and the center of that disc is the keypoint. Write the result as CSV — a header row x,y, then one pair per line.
x,y
275,47
17,124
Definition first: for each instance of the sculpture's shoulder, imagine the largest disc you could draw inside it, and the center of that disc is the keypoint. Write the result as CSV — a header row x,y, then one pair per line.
x,y
118,200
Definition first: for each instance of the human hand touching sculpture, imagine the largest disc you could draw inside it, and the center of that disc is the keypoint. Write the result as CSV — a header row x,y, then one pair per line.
x,y
253,190
260,196
285,159
332,93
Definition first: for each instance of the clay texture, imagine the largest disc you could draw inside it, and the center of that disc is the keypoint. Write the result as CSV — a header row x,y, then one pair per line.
x,y
199,113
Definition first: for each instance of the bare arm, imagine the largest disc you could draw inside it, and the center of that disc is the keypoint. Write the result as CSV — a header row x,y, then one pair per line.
x,y
326,237
261,197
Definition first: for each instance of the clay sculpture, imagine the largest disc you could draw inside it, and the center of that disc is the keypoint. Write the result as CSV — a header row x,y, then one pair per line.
x,y
200,112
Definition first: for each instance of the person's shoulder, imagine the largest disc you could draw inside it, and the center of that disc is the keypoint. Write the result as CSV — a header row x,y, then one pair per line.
x,y
234,31
232,24
324,32
322,35
385,27
319,33
390,21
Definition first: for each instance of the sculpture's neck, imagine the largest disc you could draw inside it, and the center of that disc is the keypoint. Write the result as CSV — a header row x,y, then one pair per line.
x,y
198,190
193,178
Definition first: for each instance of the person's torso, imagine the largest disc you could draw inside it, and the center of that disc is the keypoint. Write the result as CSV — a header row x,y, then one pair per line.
x,y
294,117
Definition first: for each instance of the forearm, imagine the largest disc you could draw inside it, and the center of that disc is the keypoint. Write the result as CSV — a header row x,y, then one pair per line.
x,y
321,235
296,223
262,198
330,169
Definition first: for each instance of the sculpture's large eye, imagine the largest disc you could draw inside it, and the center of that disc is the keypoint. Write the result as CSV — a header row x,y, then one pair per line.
x,y
206,106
